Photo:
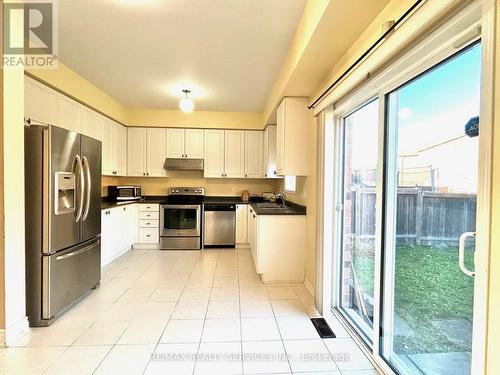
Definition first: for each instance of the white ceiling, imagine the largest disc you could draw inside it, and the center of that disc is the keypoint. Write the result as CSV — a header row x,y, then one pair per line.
x,y
144,52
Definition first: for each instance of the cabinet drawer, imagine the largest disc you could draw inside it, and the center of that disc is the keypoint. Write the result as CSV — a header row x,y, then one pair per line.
x,y
148,215
149,207
148,223
148,235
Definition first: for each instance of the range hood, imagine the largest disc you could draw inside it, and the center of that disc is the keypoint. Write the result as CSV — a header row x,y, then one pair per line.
x,y
180,164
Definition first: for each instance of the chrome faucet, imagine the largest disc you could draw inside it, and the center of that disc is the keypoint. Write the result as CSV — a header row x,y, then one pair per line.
x,y
281,195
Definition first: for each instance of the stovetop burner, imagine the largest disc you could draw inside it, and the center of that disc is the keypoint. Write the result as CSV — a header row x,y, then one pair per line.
x,y
185,195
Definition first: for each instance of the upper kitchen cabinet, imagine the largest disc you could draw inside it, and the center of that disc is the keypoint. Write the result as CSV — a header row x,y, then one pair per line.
x,y
114,148
136,163
185,143
293,132
175,143
92,124
254,154
269,154
39,102
146,152
193,143
69,114
234,153
214,153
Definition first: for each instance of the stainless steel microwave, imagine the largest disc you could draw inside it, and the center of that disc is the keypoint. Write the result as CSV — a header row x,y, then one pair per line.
x,y
124,192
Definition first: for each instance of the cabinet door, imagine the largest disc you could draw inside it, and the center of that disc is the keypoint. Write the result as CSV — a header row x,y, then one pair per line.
x,y
155,152
92,124
175,143
234,157
241,223
280,138
69,113
39,102
214,153
253,154
270,152
120,150
136,152
107,239
193,143
108,146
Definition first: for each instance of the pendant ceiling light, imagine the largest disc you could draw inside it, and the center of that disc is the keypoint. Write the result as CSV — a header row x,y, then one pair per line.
x,y
186,104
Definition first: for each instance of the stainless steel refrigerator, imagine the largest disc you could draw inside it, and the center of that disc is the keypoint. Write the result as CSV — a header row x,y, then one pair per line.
x,y
63,219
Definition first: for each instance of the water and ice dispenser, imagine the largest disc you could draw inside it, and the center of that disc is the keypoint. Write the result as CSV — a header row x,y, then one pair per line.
x,y
65,191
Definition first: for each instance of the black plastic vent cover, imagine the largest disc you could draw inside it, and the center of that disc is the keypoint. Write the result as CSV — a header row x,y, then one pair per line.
x,y
323,328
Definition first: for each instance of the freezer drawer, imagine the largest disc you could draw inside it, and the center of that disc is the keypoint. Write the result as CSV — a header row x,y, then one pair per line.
x,y
68,274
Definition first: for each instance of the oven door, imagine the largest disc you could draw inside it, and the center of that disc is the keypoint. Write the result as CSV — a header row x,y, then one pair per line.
x,y
178,220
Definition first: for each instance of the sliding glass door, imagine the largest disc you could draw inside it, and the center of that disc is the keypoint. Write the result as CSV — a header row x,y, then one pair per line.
x,y
359,165
406,182
432,152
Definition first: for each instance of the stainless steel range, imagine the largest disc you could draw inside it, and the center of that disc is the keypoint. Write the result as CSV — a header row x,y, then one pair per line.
x,y
180,219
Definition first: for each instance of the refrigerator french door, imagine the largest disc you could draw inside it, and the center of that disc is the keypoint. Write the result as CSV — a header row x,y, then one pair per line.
x,y
63,221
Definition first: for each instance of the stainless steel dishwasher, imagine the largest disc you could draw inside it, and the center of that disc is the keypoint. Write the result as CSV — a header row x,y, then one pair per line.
x,y
219,225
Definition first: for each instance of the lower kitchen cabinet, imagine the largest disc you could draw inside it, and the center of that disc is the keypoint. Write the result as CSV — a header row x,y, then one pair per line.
x,y
278,246
241,224
118,231
149,225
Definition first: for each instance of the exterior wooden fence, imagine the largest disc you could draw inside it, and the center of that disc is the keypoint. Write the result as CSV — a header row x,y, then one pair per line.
x,y
423,217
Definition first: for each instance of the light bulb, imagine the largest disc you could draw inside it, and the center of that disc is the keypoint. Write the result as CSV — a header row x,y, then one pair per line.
x,y
186,105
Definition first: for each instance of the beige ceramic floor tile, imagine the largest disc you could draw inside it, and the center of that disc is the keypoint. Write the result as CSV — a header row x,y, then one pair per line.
x,y
143,331
281,292
181,331
264,357
254,329
288,308
256,309
78,360
103,333
220,330
126,360
223,309
190,310
28,360
178,359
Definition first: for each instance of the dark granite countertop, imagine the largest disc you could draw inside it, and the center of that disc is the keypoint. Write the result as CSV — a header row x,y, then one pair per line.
x,y
292,209
106,203
224,199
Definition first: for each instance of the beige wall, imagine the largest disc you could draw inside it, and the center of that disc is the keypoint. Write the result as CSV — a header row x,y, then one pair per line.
x,y
493,339
74,85
2,247
13,149
306,195
213,186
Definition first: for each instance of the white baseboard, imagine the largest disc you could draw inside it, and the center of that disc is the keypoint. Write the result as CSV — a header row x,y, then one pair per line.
x,y
309,287
2,338
15,331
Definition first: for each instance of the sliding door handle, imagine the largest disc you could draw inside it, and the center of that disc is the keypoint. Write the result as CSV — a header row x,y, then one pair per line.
x,y
461,253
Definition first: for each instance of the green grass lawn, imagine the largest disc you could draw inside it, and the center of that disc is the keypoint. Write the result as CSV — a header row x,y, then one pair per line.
x,y
429,287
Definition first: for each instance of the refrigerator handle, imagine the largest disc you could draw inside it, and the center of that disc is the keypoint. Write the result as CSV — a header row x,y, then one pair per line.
x,y
81,183
88,187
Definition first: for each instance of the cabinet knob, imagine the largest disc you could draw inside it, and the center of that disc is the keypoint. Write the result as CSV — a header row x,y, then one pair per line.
x,y
147,173
275,173
265,175
124,208
246,175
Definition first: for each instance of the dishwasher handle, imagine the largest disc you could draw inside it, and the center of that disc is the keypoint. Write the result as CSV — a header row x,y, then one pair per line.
x,y
220,207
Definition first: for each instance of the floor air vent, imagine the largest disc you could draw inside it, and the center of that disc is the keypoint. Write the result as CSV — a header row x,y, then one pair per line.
x,y
323,328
